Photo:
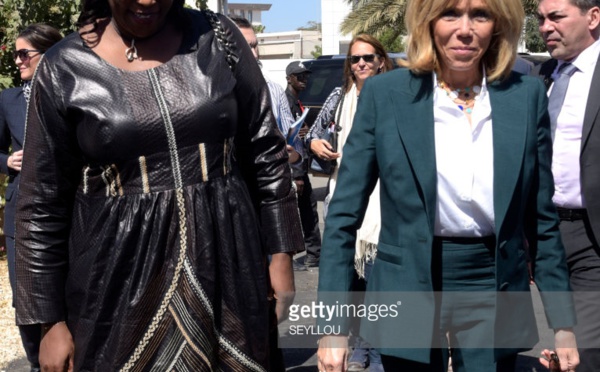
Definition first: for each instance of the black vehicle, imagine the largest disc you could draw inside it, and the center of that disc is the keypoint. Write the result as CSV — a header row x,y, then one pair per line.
x,y
328,72
536,59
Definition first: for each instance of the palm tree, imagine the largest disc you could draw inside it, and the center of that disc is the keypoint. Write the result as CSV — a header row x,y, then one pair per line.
x,y
378,17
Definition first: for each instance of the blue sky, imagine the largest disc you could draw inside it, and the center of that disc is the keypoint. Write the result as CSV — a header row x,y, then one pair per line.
x,y
286,15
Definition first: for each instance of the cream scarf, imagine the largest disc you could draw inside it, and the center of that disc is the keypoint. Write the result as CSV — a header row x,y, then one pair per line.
x,y
368,234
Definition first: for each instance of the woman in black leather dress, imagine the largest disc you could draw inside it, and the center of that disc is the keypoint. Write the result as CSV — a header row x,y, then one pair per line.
x,y
155,181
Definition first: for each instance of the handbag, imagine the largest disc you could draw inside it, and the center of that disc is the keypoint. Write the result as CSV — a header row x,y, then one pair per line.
x,y
323,167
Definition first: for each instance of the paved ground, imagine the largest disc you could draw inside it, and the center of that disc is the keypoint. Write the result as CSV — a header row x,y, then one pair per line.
x,y
304,359
12,355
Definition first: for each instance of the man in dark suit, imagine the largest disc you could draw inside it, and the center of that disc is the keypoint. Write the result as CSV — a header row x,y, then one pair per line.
x,y
571,29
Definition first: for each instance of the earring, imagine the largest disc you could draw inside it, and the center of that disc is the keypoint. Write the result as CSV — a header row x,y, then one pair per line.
x,y
379,69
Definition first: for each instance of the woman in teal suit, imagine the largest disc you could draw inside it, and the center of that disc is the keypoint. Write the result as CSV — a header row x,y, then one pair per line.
x,y
461,146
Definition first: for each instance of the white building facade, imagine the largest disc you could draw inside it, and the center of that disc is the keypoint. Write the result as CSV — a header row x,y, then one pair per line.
x,y
333,13
218,6
252,12
290,45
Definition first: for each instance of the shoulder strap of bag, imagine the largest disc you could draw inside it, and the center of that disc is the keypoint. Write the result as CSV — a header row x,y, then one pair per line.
x,y
222,41
338,109
337,112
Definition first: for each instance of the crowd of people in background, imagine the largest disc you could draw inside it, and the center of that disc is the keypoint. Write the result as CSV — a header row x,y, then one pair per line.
x,y
158,191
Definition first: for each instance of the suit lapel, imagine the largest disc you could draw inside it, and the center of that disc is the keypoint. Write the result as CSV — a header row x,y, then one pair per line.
x,y
592,107
413,109
415,122
18,131
509,126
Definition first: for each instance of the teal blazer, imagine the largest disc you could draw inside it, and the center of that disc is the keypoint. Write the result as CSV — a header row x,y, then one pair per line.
x,y
392,139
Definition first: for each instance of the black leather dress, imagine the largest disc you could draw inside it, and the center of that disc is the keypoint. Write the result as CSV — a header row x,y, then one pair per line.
x,y
148,203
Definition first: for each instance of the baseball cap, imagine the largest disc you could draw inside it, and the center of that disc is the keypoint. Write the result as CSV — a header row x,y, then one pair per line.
x,y
296,67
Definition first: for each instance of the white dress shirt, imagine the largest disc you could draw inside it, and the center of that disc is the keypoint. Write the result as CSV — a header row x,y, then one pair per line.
x,y
569,126
465,167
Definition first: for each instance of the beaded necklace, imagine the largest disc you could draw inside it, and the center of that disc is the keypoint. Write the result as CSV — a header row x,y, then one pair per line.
x,y
463,98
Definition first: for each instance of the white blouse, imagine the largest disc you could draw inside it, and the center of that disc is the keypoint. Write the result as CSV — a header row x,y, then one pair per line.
x,y
465,166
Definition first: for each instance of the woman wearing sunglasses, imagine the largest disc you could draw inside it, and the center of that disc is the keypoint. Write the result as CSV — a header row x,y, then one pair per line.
x,y
31,43
366,57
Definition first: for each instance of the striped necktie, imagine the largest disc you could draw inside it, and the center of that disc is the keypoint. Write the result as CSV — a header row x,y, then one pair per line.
x,y
559,90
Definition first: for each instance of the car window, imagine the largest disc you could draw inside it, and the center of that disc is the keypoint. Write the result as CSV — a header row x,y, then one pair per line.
x,y
326,76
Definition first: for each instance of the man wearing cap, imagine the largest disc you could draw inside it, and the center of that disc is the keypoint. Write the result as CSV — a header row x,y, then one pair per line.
x,y
297,76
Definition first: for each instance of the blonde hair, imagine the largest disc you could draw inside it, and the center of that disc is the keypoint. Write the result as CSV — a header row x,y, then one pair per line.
x,y
500,56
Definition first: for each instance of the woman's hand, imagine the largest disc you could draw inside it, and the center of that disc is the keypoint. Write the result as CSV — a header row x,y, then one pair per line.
x,y
281,273
566,350
299,186
15,160
332,354
56,348
303,131
323,149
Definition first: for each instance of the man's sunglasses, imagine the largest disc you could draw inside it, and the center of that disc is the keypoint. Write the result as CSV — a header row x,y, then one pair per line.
x,y
368,58
301,76
23,54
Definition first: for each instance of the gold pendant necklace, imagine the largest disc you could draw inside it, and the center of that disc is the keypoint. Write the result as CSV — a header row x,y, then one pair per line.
x,y
131,53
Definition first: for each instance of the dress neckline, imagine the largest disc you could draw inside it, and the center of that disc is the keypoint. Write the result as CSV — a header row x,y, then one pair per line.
x,y
189,43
